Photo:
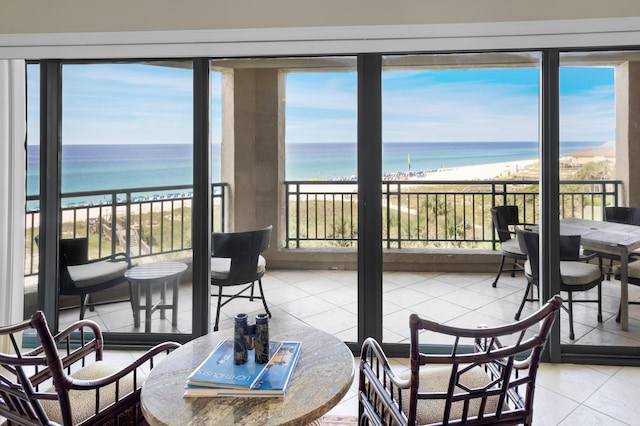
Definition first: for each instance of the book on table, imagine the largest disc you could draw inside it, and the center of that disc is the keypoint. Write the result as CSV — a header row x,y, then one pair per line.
x,y
219,369
273,380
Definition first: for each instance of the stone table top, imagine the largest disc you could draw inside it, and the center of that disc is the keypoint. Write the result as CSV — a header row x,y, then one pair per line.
x,y
322,377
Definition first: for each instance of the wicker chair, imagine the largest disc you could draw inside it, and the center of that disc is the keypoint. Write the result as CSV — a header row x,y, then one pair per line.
x,y
237,262
65,381
479,382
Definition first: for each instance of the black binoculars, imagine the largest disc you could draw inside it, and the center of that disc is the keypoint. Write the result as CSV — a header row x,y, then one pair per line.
x,y
251,336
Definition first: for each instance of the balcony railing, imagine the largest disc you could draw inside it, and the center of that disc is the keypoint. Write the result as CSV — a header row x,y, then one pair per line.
x,y
157,221
140,221
429,213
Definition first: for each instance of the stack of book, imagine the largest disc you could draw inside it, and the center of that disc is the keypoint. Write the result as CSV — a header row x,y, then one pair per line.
x,y
219,376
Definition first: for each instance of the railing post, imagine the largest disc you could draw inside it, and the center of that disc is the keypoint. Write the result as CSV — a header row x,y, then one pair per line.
x,y
387,237
298,215
286,215
127,224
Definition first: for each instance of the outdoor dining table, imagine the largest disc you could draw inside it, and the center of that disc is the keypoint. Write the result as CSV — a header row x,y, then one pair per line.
x,y
608,237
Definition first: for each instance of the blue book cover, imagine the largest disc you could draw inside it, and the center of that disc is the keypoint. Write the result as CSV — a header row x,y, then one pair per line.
x,y
273,382
219,370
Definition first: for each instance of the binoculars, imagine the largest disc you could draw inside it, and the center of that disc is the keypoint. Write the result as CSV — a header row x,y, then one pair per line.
x,y
251,336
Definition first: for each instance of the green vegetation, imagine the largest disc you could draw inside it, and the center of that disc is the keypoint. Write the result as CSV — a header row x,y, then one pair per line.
x,y
439,215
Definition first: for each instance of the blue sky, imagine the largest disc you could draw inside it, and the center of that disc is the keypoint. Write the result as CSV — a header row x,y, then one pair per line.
x,y
135,103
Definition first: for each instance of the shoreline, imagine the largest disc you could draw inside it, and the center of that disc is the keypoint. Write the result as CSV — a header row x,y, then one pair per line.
x,y
501,170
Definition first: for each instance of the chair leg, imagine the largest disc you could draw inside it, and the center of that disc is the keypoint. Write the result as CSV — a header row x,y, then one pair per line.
x,y
515,267
495,282
264,301
600,302
83,304
215,326
572,336
524,299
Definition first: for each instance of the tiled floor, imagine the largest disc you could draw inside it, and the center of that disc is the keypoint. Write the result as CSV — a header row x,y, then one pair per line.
x,y
566,394
328,300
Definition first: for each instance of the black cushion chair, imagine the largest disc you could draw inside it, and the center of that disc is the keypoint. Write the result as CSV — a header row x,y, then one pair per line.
x,y
628,216
237,261
633,277
486,377
65,381
576,274
505,219
80,276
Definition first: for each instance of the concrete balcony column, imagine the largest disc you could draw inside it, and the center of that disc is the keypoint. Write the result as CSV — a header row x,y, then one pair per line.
x,y
627,94
253,147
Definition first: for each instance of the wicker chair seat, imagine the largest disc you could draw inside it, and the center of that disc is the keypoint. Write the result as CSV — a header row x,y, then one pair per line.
x,y
436,379
83,402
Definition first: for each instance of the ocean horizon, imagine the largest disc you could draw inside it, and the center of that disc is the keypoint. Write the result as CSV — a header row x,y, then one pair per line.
x,y
102,167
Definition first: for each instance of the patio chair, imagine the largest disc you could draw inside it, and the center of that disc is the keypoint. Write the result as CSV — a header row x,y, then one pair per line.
x,y
80,276
628,216
237,261
505,219
633,278
576,274
482,380
66,381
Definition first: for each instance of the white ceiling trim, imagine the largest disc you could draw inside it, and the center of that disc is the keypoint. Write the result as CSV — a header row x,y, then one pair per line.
x,y
324,40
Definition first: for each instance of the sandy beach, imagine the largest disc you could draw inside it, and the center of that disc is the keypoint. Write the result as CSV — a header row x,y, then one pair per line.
x,y
478,172
503,170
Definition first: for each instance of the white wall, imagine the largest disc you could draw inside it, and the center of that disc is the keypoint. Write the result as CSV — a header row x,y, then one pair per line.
x,y
46,16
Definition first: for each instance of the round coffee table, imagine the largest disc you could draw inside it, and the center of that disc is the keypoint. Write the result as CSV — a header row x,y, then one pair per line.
x,y
322,377
146,276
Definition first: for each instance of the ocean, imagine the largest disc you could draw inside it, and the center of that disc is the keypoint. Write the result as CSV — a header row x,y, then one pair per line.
x,y
103,167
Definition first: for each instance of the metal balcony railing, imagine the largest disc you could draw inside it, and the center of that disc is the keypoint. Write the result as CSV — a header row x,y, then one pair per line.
x,y
140,221
429,213
157,221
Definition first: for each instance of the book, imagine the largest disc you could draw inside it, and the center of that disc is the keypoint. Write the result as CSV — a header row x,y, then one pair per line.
x,y
218,369
273,381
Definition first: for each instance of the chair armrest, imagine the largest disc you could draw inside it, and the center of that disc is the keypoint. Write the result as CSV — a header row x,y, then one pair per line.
x,y
148,357
116,257
587,255
73,344
379,389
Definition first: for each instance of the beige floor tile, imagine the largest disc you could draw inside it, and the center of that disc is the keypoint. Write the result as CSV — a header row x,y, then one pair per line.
x,y
585,416
618,399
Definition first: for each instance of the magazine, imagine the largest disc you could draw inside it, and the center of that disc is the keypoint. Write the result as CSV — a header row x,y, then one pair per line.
x,y
219,370
273,382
